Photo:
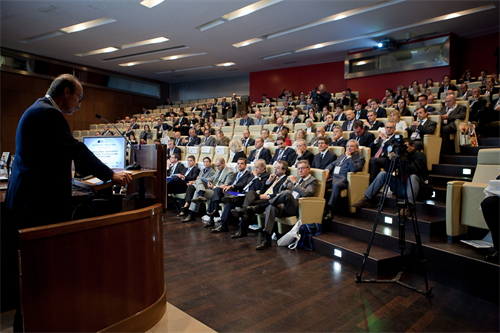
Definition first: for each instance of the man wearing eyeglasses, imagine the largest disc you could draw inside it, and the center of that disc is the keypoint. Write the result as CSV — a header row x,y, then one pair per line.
x,y
320,132
379,149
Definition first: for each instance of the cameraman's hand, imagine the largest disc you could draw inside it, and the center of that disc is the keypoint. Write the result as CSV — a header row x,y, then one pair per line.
x,y
391,155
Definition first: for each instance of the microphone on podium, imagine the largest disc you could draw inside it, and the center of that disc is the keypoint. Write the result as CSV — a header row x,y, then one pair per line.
x,y
133,166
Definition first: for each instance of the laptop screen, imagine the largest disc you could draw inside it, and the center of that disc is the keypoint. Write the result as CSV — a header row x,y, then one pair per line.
x,y
111,150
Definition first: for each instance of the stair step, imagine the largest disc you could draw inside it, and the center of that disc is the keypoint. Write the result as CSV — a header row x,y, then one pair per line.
x,y
444,179
432,207
454,170
428,224
440,193
345,249
489,142
457,159
474,150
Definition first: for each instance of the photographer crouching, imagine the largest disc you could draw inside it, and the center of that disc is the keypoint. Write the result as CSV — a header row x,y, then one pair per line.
x,y
418,175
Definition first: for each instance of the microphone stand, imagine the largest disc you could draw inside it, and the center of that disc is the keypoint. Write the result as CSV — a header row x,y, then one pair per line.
x,y
135,165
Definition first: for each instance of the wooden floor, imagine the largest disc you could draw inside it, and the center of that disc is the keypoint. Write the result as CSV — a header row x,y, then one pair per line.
x,y
229,286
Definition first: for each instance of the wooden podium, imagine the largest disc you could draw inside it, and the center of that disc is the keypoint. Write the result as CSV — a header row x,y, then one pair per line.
x,y
98,274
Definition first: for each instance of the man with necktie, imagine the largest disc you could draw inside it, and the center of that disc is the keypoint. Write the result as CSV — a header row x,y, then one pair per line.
x,y
421,127
324,157
172,149
175,166
259,119
246,141
349,122
360,134
205,173
208,140
179,180
379,149
449,114
283,153
192,140
259,153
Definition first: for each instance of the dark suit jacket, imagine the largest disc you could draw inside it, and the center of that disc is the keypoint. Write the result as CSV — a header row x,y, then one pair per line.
x,y
207,114
353,164
293,121
195,109
192,121
376,146
28,190
213,109
169,114
242,181
289,156
376,125
225,107
319,163
238,155
365,140
329,128
251,142
275,129
249,122
256,182
180,168
475,106
177,150
193,174
134,126
180,122
306,156
277,188
441,90
340,143
344,125
363,114
341,117
265,154
193,142
381,112
458,113
426,128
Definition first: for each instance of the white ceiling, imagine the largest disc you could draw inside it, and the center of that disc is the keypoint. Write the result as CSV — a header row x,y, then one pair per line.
x,y
177,20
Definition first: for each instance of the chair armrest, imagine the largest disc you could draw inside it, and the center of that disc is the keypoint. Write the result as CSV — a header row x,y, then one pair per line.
x,y
432,149
311,209
472,196
357,183
454,226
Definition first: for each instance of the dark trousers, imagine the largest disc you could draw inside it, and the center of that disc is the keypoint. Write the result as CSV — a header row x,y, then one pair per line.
x,y
282,205
190,193
176,185
252,198
375,165
485,115
446,146
338,183
491,214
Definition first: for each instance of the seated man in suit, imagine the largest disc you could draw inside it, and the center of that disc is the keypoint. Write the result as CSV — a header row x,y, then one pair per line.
x,y
265,137
324,157
133,123
192,140
246,140
320,132
286,202
421,127
179,180
204,113
476,103
161,127
192,120
181,124
373,124
351,161
170,113
360,134
283,153
259,201
279,126
379,110
268,103
338,114
302,152
338,139
258,177
128,131
172,149
349,120
260,119
379,149
449,114
329,124
286,109
221,139
175,167
422,102
206,172
359,112
245,120
208,140
418,178
196,107
259,153
445,87
106,131
294,119
204,188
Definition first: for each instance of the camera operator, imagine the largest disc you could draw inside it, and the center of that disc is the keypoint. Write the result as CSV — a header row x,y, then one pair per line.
x,y
418,175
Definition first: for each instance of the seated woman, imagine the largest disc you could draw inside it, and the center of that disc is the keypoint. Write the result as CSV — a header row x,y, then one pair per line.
x,y
207,126
466,77
146,135
414,89
429,83
275,114
402,108
212,122
236,151
299,134
197,129
311,114
132,139
395,116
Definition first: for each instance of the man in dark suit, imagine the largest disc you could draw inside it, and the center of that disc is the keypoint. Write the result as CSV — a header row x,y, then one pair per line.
x,y
259,201
373,124
246,140
196,107
172,149
324,157
421,127
449,114
338,139
175,167
338,114
489,89
351,161
259,153
257,177
294,119
181,123
204,113
212,108
446,86
379,110
171,113
192,120
302,152
476,103
145,111
192,140
359,112
379,150
161,127
323,97
320,131
268,103
286,202
361,135
106,131
422,102
178,183
349,121
245,120
208,140
279,126
225,106
283,153
133,123
464,91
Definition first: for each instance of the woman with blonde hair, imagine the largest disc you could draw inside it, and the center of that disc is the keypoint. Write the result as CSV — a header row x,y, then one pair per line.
x,y
236,151
395,116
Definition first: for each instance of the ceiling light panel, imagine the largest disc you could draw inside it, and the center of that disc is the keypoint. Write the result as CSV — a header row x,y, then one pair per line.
x,y
135,63
145,42
192,69
140,54
99,51
151,3
41,37
180,56
225,64
248,42
87,25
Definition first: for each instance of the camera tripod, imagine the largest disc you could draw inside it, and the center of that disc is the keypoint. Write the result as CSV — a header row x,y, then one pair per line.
x,y
398,168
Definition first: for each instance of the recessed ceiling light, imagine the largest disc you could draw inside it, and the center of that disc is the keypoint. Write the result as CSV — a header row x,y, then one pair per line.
x,y
225,64
151,3
248,42
140,54
339,17
87,25
180,56
451,16
192,69
99,51
145,42
318,46
361,63
135,63
277,55
41,37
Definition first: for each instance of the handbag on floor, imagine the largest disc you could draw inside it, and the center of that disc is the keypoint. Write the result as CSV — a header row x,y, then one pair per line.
x,y
292,237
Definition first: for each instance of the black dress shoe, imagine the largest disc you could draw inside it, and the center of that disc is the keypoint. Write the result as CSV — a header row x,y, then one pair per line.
x,y
188,218
364,203
199,200
494,257
209,224
328,215
229,199
237,213
239,234
220,228
264,245
215,213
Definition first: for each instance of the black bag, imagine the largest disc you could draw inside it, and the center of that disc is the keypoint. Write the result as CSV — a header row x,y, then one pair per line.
x,y
307,231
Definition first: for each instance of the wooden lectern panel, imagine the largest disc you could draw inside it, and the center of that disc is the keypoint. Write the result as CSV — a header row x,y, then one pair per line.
x,y
88,275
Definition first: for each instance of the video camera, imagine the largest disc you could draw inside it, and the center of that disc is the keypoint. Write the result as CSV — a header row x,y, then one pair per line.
x,y
398,147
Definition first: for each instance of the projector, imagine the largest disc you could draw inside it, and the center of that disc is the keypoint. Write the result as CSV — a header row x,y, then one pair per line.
x,y
386,44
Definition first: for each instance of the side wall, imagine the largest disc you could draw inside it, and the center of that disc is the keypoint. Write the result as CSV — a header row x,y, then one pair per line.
x,y
210,88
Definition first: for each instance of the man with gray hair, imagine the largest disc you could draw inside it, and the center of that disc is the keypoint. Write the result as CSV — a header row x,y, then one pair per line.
x,y
449,114
337,171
